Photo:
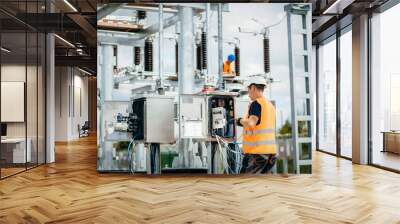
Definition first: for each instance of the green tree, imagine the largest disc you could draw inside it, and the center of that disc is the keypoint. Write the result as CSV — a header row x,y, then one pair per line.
x,y
286,129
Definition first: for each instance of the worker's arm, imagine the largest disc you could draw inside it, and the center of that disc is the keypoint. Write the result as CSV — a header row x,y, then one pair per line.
x,y
253,117
250,122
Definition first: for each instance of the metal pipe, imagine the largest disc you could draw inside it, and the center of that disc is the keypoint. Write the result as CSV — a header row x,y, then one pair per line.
x,y
160,45
177,32
186,51
207,31
292,92
186,68
176,57
107,70
221,85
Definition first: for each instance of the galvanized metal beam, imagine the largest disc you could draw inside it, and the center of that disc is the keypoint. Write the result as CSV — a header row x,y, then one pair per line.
x,y
132,38
108,9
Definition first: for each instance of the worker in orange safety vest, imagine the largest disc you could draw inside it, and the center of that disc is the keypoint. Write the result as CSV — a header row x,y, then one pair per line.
x,y
228,65
259,146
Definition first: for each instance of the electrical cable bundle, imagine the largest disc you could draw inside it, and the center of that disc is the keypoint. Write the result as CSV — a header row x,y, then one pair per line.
x,y
132,163
224,149
176,58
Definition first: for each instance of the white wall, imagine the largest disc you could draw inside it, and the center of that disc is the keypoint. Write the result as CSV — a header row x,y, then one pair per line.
x,y
71,87
13,73
79,117
61,103
34,125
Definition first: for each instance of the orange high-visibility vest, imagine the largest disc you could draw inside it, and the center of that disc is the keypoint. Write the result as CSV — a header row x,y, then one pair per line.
x,y
227,67
261,138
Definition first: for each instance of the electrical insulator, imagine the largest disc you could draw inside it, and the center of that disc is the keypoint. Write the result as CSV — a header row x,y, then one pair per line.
x,y
266,56
204,50
176,57
148,55
137,55
141,14
237,60
198,57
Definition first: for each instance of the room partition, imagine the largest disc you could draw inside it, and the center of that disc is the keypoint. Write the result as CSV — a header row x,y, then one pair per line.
x,y
22,76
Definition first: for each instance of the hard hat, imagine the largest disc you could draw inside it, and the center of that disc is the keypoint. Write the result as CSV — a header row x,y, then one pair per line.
x,y
231,57
257,79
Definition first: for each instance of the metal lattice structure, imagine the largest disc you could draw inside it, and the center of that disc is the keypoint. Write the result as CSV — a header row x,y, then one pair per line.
x,y
299,71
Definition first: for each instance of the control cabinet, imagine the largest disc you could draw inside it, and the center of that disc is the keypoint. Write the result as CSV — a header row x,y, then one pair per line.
x,y
203,116
152,119
221,112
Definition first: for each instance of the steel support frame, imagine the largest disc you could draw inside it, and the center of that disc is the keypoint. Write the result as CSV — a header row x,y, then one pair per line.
x,y
304,11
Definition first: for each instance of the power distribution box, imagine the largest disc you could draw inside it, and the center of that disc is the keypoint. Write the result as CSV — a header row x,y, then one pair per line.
x,y
152,119
206,115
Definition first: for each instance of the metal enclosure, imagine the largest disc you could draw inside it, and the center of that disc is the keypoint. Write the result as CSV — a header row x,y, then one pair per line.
x,y
196,115
157,119
192,115
301,101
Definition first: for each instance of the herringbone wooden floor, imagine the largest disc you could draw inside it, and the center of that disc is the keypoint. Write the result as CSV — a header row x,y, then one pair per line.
x,y
71,191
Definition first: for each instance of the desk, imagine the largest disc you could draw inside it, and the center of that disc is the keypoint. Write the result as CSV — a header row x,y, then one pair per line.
x,y
391,142
13,150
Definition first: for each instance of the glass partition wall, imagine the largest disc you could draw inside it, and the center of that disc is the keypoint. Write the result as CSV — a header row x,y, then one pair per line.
x,y
22,77
346,94
385,90
327,95
334,104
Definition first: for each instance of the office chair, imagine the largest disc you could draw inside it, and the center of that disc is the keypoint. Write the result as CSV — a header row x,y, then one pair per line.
x,y
84,130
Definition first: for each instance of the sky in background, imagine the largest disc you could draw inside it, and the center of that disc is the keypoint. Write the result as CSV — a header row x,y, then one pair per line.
x,y
251,47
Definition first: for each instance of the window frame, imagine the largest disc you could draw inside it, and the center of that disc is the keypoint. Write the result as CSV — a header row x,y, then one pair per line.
x,y
334,37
